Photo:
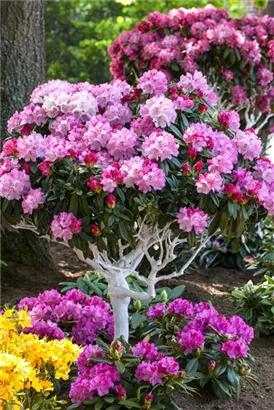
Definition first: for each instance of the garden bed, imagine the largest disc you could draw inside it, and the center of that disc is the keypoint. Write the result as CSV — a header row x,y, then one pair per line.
x,y
213,284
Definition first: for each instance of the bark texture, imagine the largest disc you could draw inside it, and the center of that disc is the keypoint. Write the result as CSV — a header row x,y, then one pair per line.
x,y
22,69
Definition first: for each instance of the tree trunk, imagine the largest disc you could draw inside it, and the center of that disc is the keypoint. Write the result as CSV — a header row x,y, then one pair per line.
x,y
22,69
269,10
120,305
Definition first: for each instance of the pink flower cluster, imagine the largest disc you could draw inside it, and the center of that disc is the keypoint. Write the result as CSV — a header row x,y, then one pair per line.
x,y
114,136
199,321
84,318
184,40
99,379
191,218
65,225
96,379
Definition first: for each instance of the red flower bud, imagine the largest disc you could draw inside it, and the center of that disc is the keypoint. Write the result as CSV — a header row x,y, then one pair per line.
x,y
230,190
26,168
202,108
26,130
198,166
191,153
186,169
94,185
211,365
238,197
95,230
111,201
90,159
45,168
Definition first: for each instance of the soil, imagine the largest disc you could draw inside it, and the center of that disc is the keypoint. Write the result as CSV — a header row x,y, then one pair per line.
x,y
211,284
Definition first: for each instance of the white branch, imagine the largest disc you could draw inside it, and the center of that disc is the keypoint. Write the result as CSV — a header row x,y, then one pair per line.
x,y
186,265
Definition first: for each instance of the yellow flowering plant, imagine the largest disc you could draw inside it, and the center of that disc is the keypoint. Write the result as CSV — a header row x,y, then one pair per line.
x,y
29,366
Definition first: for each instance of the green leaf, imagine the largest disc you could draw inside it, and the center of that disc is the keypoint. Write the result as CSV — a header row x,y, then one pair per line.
x,y
192,365
176,292
120,367
136,319
73,204
73,406
130,404
99,404
114,407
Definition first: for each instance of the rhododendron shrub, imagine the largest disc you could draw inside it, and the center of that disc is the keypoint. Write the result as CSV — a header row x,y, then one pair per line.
x,y
236,55
126,178
122,377
208,343
72,315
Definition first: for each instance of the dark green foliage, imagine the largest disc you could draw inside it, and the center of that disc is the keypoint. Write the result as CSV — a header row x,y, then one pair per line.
x,y
79,32
256,304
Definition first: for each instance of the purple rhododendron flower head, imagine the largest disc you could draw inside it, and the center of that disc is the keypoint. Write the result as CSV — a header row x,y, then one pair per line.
x,y
84,361
76,296
45,328
145,350
156,311
191,340
181,307
235,349
244,331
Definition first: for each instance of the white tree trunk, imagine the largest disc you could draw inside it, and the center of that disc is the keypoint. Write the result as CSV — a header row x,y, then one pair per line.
x,y
119,303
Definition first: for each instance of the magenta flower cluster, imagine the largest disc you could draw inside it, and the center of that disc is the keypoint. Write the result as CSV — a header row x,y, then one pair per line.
x,y
56,316
93,378
199,321
98,379
187,40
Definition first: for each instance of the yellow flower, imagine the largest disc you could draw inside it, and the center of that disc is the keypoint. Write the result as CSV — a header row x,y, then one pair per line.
x,y
27,362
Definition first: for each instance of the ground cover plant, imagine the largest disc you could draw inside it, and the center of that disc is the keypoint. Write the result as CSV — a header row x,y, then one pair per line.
x,y
236,55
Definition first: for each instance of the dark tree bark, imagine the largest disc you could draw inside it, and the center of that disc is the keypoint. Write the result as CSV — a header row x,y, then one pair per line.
x,y
22,69
269,9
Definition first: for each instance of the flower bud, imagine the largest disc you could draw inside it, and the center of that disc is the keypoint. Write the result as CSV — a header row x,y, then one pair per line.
x,y
111,201
191,153
95,230
186,169
45,168
244,370
121,392
164,296
26,130
202,109
116,349
198,166
211,365
137,304
26,168
90,159
94,185
148,401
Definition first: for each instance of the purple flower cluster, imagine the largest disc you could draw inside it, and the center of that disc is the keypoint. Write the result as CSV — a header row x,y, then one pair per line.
x,y
53,315
98,379
200,320
154,366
